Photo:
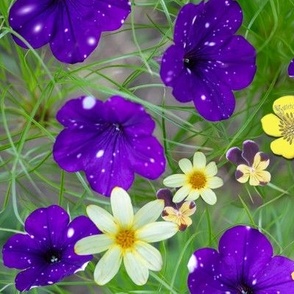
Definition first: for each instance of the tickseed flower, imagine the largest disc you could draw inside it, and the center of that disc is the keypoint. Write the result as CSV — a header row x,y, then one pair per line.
x,y
251,164
45,253
281,125
243,264
207,61
71,27
110,141
126,237
179,213
291,69
198,180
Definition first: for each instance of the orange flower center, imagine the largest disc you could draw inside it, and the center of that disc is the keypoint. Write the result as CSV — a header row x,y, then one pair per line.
x,y
125,238
198,180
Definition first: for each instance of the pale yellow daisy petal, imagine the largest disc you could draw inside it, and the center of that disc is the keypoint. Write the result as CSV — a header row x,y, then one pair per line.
x,y
181,194
185,165
108,266
149,213
282,147
93,244
211,169
215,182
121,206
193,195
208,196
152,257
199,160
135,268
174,181
270,124
157,231
102,219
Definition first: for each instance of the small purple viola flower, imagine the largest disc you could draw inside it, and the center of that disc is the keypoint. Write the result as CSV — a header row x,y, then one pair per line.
x,y
72,28
45,254
291,69
108,140
251,164
244,263
207,61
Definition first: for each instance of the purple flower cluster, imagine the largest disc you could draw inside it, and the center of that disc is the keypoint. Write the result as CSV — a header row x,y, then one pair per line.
x,y
207,61
45,254
108,140
71,27
243,264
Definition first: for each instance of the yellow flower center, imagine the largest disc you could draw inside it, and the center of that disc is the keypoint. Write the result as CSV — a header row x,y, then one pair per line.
x,y
197,179
287,126
125,239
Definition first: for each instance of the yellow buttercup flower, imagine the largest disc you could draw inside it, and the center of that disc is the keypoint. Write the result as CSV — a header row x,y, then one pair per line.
x,y
198,180
281,125
126,238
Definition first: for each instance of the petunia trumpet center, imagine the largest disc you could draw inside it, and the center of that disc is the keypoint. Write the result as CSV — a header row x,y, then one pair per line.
x,y
125,239
197,179
52,256
189,62
244,289
287,126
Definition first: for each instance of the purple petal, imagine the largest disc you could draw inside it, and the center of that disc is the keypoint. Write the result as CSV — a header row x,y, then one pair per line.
x,y
48,225
291,69
246,252
234,155
21,251
110,141
204,267
250,148
166,195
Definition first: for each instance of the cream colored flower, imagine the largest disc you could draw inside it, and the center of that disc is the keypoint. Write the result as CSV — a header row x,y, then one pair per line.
x,y
198,180
126,237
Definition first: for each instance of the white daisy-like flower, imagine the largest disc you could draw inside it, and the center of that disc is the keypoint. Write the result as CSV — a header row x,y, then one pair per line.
x,y
126,238
198,180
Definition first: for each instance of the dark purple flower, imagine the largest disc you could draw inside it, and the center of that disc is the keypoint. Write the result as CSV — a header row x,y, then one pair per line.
x,y
251,164
291,69
46,252
244,263
109,140
71,27
207,60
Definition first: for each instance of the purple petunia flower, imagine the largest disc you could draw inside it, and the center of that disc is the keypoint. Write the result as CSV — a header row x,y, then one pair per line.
x,y
109,140
46,253
207,60
243,264
291,69
72,28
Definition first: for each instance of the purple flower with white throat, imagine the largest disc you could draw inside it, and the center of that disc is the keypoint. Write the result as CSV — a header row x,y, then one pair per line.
x,y
72,28
45,254
110,141
291,69
244,263
207,61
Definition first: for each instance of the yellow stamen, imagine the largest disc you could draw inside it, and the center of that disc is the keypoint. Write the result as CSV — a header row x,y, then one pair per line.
x,y
197,179
125,239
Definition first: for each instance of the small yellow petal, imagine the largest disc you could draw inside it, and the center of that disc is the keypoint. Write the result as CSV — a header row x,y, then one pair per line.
x,y
208,196
185,165
270,124
199,160
188,208
93,244
181,193
193,195
284,104
283,147
174,181
211,169
215,182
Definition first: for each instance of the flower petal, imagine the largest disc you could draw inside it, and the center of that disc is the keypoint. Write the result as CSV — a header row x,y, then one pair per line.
x,y
166,195
208,196
215,182
270,124
261,161
181,194
135,268
152,257
108,266
291,69
193,195
102,219
211,169
185,165
250,148
234,155
93,244
282,147
284,104
174,181
158,231
199,160
242,173
149,213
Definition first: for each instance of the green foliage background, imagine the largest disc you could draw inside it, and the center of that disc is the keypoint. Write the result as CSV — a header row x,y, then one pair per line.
x,y
33,86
